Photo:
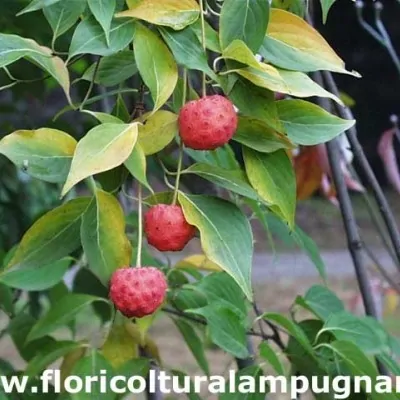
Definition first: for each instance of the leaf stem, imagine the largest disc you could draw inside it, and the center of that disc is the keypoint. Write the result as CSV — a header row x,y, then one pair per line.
x,y
88,93
140,227
203,42
180,157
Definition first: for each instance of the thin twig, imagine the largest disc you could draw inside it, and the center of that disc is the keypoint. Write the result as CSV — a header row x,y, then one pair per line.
x,y
358,151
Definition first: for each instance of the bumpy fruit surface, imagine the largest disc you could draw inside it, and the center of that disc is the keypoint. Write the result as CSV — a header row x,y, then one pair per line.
x,y
166,227
137,292
207,123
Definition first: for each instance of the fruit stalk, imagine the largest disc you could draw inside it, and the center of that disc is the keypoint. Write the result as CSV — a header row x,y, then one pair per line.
x,y
140,227
203,42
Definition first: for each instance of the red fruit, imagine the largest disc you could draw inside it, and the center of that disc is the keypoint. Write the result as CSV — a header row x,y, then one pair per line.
x,y
166,227
207,123
137,292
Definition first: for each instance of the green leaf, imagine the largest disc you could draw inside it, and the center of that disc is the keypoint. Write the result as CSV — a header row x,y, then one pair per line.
x,y
89,38
113,69
119,347
226,235
36,279
262,105
222,157
103,11
259,136
35,5
176,14
224,328
52,237
194,343
222,288
136,165
346,326
60,313
291,43
294,83
308,124
322,302
103,148
187,50
359,365
13,48
212,39
6,299
238,51
272,176
291,237
63,15
233,180
326,6
93,365
244,20
44,153
270,355
104,241
291,327
158,131
297,7
19,329
104,118
49,354
156,65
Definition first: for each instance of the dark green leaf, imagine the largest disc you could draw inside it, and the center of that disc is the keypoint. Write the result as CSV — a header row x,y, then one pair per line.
x,y
234,180
103,237
63,15
113,69
89,38
226,235
322,302
225,327
49,354
156,65
187,50
194,343
103,11
38,278
308,124
52,237
262,105
259,136
270,355
37,5
244,20
366,335
326,6
272,176
61,313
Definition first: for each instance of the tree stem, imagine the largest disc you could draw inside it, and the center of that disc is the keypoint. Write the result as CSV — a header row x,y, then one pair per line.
x,y
203,42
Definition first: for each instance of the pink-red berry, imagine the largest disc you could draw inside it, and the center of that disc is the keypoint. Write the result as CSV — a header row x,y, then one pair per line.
x,y
207,123
139,291
166,227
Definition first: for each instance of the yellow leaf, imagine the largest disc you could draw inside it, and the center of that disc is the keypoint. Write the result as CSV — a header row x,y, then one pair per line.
x,y
391,302
292,42
198,261
70,360
119,347
103,148
158,131
176,14
44,153
156,65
